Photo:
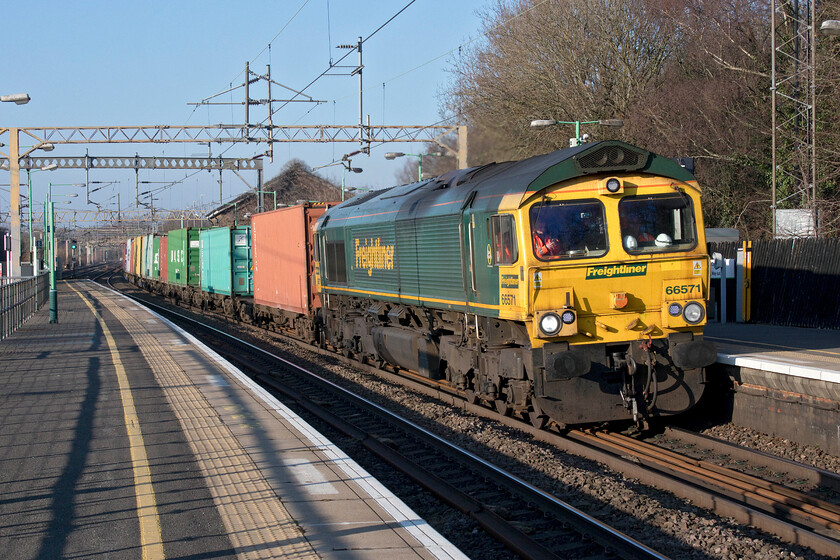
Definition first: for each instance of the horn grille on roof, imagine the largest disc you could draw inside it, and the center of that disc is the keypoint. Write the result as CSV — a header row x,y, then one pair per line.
x,y
612,157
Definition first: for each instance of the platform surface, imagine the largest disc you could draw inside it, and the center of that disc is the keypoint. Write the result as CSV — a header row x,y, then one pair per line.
x,y
808,353
123,437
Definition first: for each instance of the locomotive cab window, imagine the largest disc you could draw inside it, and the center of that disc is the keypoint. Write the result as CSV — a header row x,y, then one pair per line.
x,y
657,223
503,230
568,229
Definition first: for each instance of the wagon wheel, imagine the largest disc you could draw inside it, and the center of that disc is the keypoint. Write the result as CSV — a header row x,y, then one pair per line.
x,y
503,408
471,396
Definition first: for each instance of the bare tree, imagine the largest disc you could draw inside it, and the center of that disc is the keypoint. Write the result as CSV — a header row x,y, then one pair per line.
x,y
714,106
581,60
690,78
828,131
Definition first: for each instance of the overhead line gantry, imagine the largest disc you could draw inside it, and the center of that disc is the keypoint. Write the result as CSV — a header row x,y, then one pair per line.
x,y
220,133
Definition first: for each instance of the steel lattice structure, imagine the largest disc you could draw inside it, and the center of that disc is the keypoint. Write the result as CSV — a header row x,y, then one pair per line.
x,y
794,108
49,137
138,162
228,133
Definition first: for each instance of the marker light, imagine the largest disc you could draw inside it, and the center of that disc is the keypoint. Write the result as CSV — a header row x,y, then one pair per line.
x,y
609,185
550,324
693,312
674,309
568,317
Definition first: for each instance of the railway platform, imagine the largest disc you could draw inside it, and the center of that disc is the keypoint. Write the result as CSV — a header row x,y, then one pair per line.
x,y
123,437
785,381
797,352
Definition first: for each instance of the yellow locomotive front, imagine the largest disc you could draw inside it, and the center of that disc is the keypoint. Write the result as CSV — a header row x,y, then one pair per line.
x,y
617,281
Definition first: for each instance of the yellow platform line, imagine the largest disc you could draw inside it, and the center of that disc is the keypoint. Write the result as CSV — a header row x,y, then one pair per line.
x,y
151,539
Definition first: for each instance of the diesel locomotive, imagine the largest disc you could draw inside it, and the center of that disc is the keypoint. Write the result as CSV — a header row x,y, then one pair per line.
x,y
568,287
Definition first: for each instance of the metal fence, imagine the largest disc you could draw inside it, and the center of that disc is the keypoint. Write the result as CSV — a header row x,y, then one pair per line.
x,y
793,282
20,298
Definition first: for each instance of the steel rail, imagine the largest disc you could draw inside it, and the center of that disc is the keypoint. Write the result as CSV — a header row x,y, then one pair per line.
x,y
711,497
800,471
757,492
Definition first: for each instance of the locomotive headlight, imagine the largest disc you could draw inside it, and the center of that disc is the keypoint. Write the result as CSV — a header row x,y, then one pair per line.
x,y
550,324
693,312
675,309
568,317
610,185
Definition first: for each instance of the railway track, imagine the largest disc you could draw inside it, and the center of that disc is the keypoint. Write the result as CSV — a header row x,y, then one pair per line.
x,y
810,480
791,514
692,473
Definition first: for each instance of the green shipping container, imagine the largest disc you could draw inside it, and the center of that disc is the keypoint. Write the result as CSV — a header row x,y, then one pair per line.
x,y
183,257
226,261
156,257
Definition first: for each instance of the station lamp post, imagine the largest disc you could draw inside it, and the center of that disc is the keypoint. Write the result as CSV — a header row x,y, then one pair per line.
x,y
578,139
50,216
395,155
14,171
17,98
267,192
234,204
347,167
831,27
33,251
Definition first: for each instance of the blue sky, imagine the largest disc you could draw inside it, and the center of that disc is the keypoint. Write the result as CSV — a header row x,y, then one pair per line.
x,y
114,63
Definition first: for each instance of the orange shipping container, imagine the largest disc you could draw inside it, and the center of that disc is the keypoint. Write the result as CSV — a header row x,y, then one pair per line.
x,y
138,252
284,259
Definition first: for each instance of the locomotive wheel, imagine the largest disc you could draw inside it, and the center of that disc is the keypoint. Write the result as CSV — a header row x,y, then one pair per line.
x,y
503,408
536,416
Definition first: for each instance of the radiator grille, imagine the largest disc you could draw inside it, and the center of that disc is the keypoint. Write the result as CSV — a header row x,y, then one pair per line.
x,y
612,158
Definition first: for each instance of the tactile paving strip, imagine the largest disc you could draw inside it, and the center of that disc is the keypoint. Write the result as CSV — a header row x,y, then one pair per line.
x,y
257,523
